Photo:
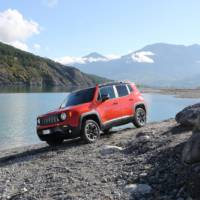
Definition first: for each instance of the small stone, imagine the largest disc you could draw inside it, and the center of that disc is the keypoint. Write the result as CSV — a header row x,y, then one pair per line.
x,y
116,194
138,189
143,174
104,180
24,189
144,138
141,139
146,167
107,149
145,133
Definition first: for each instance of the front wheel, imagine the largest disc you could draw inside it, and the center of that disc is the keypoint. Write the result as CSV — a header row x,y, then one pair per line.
x,y
54,141
90,131
140,117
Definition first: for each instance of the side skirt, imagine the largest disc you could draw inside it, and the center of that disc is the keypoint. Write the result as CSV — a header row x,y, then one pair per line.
x,y
117,122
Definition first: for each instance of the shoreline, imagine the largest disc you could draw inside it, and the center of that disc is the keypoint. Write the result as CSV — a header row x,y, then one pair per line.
x,y
178,93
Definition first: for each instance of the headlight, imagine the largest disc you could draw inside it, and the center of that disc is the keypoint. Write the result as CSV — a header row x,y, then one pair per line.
x,y
38,121
63,116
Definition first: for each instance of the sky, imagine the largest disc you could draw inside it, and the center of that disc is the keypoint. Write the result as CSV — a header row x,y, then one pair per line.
x,y
59,28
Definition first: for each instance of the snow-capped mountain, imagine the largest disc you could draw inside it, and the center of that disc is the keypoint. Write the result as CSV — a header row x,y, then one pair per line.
x,y
158,64
90,58
94,57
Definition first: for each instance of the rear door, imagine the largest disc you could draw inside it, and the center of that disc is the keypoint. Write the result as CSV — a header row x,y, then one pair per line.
x,y
108,109
125,100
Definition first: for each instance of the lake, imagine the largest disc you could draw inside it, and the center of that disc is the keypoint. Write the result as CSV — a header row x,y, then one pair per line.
x,y
18,112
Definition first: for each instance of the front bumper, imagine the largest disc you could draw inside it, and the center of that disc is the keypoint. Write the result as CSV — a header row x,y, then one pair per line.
x,y
64,132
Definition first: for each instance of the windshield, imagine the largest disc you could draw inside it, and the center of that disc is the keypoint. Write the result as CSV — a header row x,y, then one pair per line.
x,y
79,97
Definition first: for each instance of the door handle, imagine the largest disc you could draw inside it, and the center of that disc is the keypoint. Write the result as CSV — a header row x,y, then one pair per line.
x,y
130,99
115,103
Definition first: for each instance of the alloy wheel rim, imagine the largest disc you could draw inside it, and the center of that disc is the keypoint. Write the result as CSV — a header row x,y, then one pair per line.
x,y
91,131
141,117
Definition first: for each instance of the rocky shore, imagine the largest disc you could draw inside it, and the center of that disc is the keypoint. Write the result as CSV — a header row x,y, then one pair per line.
x,y
143,163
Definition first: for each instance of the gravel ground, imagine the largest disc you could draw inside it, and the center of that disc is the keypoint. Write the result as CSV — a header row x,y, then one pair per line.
x,y
80,171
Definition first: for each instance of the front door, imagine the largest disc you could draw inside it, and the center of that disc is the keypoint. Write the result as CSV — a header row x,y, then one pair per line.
x,y
108,109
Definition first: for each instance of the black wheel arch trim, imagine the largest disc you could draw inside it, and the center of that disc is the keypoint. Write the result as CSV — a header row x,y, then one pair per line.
x,y
88,114
140,104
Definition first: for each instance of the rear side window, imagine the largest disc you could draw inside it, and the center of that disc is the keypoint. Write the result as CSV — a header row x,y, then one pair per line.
x,y
130,88
107,91
122,90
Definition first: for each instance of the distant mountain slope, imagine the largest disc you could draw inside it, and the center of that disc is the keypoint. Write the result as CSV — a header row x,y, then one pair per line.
x,y
22,68
94,55
158,64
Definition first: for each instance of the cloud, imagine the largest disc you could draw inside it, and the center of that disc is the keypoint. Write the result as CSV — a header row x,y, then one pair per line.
x,y
113,56
91,59
20,45
69,60
143,57
50,3
36,47
15,29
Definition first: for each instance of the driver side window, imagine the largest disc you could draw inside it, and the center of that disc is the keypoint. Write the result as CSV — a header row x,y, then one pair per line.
x,y
107,90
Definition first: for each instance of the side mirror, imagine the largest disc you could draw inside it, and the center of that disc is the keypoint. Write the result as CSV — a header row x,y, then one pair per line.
x,y
105,97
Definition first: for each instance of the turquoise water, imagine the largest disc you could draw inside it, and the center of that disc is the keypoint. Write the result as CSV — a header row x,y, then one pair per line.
x,y
18,112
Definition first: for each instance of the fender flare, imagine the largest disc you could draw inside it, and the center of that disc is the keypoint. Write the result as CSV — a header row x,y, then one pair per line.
x,y
87,114
140,104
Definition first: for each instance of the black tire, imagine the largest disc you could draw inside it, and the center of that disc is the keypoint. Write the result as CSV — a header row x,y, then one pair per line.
x,y
90,131
54,141
140,117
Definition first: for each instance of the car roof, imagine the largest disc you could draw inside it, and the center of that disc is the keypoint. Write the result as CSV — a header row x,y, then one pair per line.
x,y
113,83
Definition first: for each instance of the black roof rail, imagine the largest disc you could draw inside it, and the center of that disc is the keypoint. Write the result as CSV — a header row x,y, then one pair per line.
x,y
112,83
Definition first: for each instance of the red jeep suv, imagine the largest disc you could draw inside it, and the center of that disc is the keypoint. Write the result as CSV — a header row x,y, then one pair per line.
x,y
85,113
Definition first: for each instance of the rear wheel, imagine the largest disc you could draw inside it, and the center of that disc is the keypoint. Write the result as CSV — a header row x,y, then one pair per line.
x,y
54,141
140,117
90,131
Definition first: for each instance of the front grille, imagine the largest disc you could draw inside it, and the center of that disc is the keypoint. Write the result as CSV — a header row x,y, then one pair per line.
x,y
51,119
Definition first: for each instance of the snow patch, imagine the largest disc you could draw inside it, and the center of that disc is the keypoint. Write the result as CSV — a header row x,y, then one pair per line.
x,y
143,57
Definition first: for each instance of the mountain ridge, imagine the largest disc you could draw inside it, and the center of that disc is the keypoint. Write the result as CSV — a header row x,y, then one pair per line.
x,y
20,68
94,55
157,65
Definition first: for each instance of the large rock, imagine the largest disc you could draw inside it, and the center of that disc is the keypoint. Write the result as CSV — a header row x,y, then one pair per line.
x,y
189,116
191,151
